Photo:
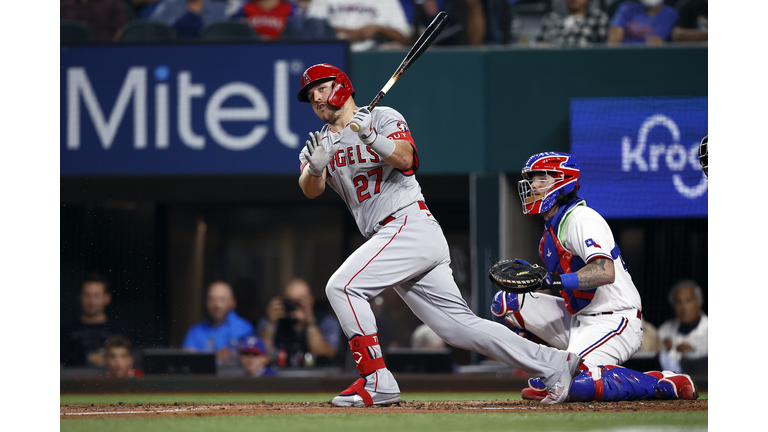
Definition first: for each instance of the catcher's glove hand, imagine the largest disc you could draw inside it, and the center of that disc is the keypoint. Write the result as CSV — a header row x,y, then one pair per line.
x,y
517,276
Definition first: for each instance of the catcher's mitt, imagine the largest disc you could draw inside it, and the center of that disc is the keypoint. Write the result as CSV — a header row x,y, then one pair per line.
x,y
517,276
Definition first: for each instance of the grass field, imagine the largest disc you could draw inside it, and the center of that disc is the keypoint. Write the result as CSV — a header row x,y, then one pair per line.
x,y
437,422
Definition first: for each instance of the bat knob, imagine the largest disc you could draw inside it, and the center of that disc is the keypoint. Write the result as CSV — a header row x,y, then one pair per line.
x,y
354,126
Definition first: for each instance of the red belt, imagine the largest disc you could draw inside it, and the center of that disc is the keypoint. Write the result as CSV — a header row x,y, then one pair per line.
x,y
390,218
639,314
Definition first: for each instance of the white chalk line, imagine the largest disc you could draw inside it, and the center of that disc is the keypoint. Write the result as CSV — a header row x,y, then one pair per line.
x,y
141,412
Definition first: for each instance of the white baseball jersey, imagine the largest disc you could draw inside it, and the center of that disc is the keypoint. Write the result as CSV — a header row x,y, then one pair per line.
x,y
584,233
407,251
356,14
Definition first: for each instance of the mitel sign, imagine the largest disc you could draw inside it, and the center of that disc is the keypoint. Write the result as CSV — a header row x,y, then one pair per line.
x,y
186,109
639,156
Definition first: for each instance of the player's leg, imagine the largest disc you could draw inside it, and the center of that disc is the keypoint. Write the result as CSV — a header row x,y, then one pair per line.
x,y
606,339
391,256
542,315
436,300
538,317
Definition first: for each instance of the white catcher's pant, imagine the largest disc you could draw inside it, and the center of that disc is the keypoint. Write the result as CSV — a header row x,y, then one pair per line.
x,y
410,254
599,340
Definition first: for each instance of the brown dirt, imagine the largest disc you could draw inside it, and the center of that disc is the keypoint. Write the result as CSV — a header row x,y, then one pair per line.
x,y
225,409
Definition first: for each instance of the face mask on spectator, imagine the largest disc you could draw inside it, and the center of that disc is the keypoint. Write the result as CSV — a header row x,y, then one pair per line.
x,y
650,3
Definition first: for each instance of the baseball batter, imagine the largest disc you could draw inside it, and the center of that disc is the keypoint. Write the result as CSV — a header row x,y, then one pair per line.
x,y
373,171
595,310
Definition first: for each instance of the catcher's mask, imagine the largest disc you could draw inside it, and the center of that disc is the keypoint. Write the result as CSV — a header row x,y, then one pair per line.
x,y
342,87
704,154
562,170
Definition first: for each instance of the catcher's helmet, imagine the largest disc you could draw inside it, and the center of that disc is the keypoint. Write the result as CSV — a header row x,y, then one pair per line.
x,y
703,154
318,73
563,169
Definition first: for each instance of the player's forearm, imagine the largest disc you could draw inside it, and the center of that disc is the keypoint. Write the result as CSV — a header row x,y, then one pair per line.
x,y
311,186
316,342
402,157
598,272
680,34
615,36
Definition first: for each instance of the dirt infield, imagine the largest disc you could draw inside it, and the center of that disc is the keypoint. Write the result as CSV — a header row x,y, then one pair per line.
x,y
121,410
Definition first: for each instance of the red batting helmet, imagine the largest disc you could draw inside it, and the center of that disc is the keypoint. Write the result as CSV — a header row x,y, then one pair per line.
x,y
318,73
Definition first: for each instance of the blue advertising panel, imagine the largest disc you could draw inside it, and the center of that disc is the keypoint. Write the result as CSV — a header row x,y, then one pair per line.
x,y
639,156
187,109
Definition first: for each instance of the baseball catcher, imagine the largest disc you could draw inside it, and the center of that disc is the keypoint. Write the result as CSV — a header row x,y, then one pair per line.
x,y
594,309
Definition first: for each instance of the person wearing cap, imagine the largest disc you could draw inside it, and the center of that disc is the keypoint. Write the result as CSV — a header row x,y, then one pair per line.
x,y
254,357
372,167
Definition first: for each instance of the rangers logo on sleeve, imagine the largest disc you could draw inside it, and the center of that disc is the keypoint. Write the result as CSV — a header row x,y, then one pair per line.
x,y
590,243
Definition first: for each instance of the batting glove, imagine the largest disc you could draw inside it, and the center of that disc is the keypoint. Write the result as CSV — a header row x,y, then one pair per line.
x,y
383,146
317,156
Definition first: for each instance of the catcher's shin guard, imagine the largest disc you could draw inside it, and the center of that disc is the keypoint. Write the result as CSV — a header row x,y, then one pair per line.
x,y
615,384
618,384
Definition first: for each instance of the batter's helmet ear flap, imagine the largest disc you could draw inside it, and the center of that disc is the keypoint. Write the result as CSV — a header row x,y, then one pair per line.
x,y
342,86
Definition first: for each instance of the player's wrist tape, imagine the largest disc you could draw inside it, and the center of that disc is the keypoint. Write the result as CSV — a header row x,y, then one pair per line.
x,y
560,282
383,147
570,280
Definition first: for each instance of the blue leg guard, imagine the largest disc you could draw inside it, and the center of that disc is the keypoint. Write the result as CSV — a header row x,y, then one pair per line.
x,y
616,384
619,384
582,388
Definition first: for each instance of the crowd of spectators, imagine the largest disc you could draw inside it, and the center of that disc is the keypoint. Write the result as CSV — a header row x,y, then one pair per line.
x,y
297,330
385,24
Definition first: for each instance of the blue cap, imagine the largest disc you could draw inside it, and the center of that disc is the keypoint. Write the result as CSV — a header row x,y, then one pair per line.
x,y
252,344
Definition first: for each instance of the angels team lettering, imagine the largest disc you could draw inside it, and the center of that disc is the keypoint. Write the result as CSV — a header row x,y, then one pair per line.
x,y
353,155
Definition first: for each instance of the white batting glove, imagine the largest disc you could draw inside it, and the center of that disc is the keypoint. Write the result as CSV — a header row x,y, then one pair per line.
x,y
384,147
317,156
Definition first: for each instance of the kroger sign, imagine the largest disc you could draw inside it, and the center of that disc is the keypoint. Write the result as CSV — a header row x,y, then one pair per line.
x,y
639,156
186,109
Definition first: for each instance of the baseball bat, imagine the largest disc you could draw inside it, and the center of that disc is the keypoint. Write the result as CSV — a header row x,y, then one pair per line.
x,y
425,40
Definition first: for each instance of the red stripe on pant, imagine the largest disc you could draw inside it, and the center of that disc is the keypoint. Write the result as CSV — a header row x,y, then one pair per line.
x,y
360,271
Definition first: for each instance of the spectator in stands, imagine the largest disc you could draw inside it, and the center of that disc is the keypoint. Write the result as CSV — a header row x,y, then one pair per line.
x,y
294,327
692,25
188,17
685,336
366,24
302,27
426,339
118,358
648,22
104,17
268,18
579,26
222,330
651,341
82,341
466,27
254,358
